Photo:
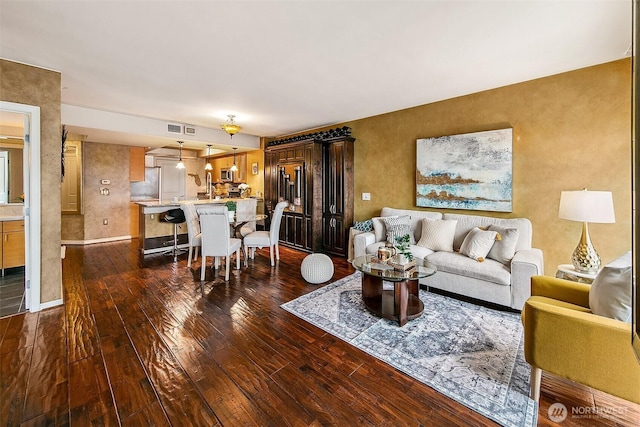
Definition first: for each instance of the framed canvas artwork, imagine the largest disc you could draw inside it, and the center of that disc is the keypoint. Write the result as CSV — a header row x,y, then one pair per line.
x,y
469,171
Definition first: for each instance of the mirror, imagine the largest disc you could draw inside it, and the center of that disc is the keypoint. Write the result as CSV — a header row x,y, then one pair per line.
x,y
11,157
290,181
71,187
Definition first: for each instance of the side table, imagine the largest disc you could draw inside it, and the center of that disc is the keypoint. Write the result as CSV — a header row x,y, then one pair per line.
x,y
568,272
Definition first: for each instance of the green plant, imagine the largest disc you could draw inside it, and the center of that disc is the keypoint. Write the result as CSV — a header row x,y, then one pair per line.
x,y
402,245
231,205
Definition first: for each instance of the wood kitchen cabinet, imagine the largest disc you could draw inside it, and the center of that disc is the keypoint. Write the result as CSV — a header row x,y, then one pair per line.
x,y
314,173
12,244
136,164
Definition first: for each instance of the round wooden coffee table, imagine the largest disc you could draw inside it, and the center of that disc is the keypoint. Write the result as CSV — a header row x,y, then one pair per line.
x,y
400,303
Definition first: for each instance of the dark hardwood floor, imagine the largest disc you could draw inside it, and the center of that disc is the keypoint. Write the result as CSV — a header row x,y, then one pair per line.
x,y
136,343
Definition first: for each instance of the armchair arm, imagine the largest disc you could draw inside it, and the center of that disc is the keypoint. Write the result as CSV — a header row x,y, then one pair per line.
x,y
361,241
581,346
560,289
525,263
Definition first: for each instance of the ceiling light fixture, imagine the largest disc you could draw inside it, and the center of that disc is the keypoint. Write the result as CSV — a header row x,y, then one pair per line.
x,y
234,168
208,166
231,127
180,164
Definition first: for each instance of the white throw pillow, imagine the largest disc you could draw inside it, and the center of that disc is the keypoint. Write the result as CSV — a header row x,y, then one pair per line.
x,y
610,294
438,234
504,248
379,229
398,227
477,243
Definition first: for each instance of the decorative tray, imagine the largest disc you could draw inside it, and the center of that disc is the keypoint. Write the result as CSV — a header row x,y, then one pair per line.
x,y
401,267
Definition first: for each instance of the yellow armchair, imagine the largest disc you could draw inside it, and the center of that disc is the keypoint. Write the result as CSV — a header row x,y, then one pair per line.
x,y
563,337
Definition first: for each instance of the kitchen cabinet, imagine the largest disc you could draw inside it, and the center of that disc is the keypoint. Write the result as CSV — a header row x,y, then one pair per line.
x,y
136,164
314,173
12,244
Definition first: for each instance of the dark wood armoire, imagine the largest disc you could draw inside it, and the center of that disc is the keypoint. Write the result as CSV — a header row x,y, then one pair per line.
x,y
314,173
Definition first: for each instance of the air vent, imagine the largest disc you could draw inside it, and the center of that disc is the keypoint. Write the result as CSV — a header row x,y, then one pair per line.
x,y
172,128
189,130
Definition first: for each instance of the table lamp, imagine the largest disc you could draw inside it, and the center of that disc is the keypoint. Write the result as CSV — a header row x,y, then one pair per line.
x,y
586,206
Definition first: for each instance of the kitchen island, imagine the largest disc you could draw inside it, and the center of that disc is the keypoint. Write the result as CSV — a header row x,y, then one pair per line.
x,y
155,234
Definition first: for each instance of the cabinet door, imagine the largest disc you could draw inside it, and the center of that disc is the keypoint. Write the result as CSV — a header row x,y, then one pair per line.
x,y
13,244
136,163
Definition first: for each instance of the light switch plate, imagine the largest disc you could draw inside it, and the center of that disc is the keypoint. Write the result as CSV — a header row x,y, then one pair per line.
x,y
366,196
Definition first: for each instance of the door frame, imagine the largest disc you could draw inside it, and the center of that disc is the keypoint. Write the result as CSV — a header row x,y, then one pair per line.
x,y
32,192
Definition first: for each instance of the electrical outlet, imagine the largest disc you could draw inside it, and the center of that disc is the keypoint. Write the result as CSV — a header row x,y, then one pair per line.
x,y
366,196
105,221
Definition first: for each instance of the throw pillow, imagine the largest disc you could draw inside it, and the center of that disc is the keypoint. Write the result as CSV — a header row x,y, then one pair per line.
x,y
477,243
504,249
379,228
438,234
363,225
610,293
398,227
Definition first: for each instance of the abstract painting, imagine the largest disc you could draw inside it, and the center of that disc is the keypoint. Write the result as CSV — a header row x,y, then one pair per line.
x,y
469,171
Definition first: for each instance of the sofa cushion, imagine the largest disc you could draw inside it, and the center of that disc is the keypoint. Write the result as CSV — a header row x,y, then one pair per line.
x,y
467,222
379,229
416,217
456,263
420,252
437,234
504,249
477,244
398,227
610,293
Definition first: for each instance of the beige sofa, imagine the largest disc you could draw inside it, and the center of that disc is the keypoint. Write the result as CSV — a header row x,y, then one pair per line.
x,y
503,283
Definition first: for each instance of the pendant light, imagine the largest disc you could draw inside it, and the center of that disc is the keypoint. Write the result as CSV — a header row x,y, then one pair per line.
x,y
208,166
234,168
231,127
180,164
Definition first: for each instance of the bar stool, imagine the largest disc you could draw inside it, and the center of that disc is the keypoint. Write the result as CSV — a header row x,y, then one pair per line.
x,y
175,216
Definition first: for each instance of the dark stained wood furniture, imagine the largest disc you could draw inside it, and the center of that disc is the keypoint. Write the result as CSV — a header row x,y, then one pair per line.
x,y
314,172
403,302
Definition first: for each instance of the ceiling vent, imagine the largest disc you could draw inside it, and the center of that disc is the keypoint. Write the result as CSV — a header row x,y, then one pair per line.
x,y
189,130
173,128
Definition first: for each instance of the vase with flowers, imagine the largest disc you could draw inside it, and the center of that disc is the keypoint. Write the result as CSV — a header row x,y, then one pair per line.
x,y
245,190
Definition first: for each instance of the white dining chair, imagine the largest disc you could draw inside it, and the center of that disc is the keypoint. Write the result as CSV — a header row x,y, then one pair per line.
x,y
246,208
193,230
217,241
261,239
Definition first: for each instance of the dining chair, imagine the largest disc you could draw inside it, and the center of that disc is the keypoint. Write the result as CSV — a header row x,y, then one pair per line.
x,y
246,208
262,238
217,241
193,230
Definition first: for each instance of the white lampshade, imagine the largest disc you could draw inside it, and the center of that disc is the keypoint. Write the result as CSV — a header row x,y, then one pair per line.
x,y
587,206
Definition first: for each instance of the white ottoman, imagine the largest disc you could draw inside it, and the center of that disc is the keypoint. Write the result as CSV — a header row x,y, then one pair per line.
x,y
317,268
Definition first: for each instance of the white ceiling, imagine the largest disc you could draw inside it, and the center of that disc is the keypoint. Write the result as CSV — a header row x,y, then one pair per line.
x,y
287,66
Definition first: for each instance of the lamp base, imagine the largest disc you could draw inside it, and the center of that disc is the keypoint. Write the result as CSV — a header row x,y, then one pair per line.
x,y
585,259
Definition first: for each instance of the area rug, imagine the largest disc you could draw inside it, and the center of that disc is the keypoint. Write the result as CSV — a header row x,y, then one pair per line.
x,y
469,353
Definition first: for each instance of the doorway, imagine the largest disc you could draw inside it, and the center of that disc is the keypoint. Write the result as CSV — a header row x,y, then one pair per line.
x,y
25,205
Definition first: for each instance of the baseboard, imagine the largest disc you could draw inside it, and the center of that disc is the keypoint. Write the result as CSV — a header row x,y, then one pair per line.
x,y
49,304
92,241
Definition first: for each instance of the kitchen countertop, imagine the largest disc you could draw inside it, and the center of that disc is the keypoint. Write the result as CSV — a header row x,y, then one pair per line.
x,y
157,203
11,218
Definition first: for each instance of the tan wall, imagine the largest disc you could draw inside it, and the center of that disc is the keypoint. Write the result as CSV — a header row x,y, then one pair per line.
x,y
570,131
256,182
106,161
34,86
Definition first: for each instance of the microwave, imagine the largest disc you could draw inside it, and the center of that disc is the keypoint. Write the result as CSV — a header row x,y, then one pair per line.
x,y
226,174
